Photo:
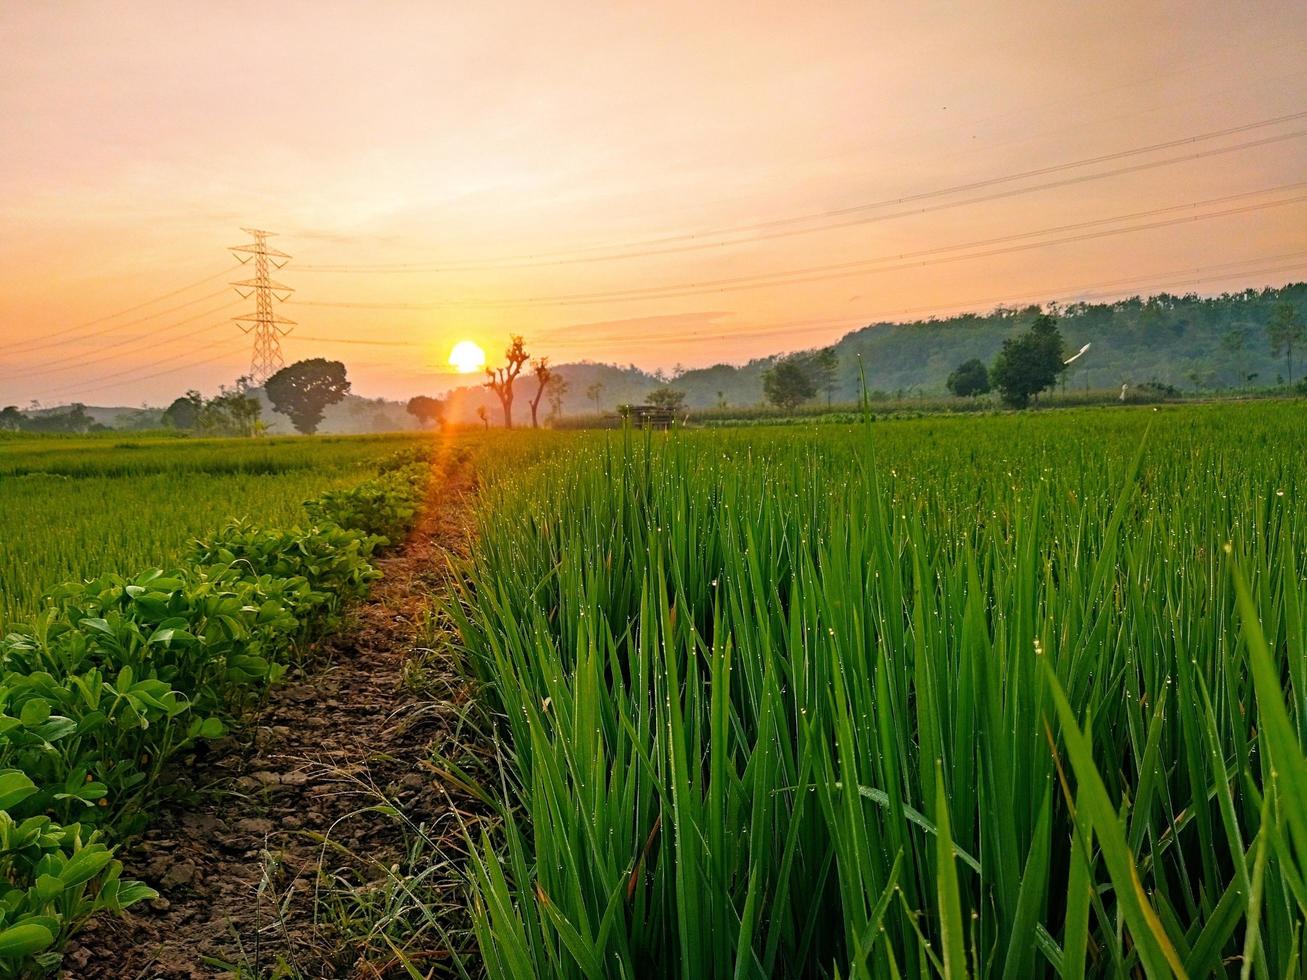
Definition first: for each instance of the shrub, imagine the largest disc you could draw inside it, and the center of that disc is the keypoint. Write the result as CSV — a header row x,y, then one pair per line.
x,y
117,676
385,506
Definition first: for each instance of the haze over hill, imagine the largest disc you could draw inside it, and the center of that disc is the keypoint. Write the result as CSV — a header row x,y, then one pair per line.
x,y
1197,344
1194,343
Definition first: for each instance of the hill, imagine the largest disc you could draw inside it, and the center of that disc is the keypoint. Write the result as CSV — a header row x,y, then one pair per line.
x,y
1193,342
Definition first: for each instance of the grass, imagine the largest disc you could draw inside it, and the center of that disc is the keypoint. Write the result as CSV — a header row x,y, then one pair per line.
x,y
1007,696
76,507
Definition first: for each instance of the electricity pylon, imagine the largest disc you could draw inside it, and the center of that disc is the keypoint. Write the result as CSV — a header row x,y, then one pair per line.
x,y
268,328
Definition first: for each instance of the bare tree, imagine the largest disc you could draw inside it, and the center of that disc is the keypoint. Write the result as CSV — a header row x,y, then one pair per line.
x,y
500,380
543,376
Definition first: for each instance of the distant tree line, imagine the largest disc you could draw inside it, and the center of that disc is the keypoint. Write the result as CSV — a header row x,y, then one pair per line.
x,y
1033,361
73,419
231,412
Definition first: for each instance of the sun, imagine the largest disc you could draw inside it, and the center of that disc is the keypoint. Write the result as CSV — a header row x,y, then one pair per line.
x,y
467,357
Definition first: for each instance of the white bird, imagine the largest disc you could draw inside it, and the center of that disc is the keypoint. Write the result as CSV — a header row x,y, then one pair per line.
x,y
1076,354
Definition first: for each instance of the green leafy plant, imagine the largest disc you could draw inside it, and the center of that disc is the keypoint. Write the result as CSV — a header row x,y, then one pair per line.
x,y
116,676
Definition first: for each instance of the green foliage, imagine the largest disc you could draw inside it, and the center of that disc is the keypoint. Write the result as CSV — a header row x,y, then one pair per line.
x,y
823,369
1030,363
384,506
184,412
789,382
1285,328
231,412
304,389
970,378
666,397
78,508
73,419
117,676
964,696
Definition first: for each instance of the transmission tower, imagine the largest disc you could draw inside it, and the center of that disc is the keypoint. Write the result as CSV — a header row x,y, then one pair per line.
x,y
268,328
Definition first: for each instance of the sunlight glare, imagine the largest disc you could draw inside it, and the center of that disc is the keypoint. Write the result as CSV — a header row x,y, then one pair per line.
x,y
467,357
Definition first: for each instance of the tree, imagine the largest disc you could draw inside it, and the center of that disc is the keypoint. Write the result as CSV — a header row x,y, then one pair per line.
x,y
666,397
1233,343
558,387
1030,363
483,415
970,378
540,367
593,392
426,410
823,367
11,419
305,389
788,382
500,380
231,412
184,412
1286,327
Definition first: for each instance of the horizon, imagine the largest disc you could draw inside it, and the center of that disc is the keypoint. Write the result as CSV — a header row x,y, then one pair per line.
x,y
456,381
651,187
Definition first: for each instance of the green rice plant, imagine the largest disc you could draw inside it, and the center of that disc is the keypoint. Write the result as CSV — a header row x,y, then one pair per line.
x,y
77,508
966,697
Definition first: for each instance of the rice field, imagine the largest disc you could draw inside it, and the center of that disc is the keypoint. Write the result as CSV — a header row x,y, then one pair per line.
x,y
1011,696
75,508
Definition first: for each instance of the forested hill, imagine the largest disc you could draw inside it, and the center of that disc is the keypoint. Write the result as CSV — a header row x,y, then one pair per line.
x,y
1189,341
1195,343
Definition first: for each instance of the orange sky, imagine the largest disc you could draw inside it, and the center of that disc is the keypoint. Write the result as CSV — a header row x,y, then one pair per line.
x,y
443,170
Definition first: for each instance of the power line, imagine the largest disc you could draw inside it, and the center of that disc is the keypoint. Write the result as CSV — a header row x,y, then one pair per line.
x,y
72,361
781,227
1158,280
359,340
844,269
119,326
851,322
226,352
131,309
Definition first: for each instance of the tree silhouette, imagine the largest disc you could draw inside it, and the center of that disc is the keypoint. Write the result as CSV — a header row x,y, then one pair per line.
x,y
426,410
823,368
304,389
666,397
184,412
789,382
500,380
543,376
968,379
593,392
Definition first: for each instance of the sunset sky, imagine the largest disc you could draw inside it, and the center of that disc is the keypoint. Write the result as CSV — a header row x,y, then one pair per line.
x,y
655,183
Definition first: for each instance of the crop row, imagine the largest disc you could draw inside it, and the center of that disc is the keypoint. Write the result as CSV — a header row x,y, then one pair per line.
x,y
962,697
76,508
117,676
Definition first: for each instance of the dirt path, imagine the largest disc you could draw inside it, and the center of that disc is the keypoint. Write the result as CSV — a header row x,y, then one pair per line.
x,y
237,872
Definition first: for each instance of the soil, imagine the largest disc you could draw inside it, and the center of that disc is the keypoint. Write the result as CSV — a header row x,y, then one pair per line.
x,y
277,826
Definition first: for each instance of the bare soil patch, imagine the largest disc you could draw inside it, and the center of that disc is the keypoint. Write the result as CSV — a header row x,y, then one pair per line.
x,y
284,799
